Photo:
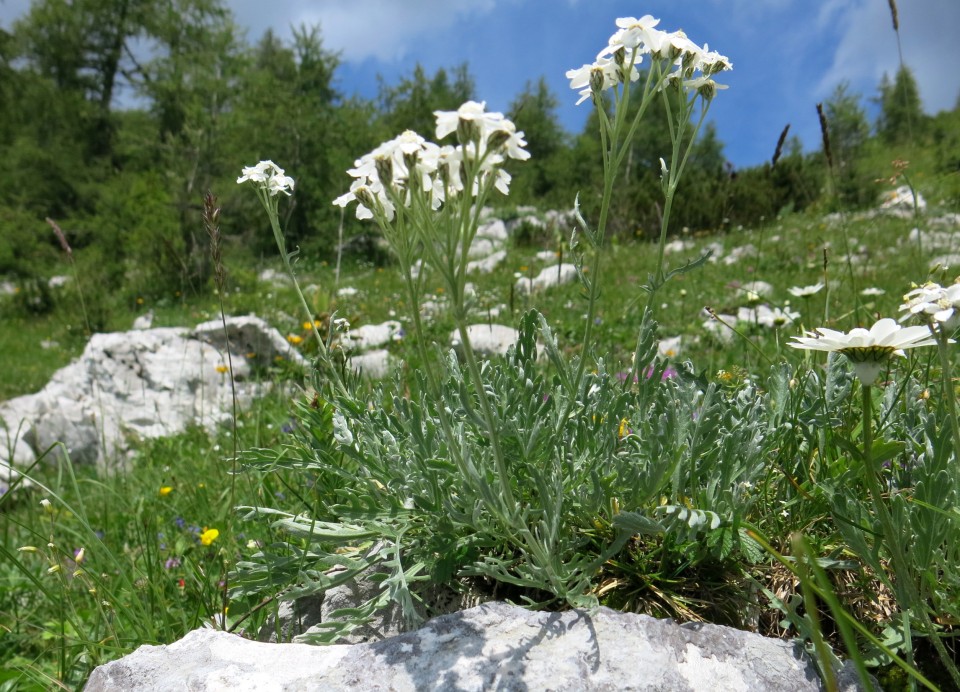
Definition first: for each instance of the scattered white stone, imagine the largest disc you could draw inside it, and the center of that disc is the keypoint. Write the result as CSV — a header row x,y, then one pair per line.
x,y
546,255
757,288
273,277
950,220
482,247
347,292
374,365
144,321
548,277
47,344
430,308
58,281
945,261
738,253
902,199
371,336
487,339
677,246
7,288
487,264
495,231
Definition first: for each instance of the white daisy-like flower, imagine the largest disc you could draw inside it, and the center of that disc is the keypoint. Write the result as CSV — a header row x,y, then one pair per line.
x,y
933,303
872,291
805,291
269,176
868,350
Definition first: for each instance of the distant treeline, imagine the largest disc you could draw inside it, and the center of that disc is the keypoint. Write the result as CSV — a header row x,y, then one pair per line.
x,y
126,185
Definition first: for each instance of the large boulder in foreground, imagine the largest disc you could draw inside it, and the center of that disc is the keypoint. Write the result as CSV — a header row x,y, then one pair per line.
x,y
141,384
492,646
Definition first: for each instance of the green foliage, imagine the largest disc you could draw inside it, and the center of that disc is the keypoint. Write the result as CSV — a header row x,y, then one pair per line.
x,y
410,104
901,111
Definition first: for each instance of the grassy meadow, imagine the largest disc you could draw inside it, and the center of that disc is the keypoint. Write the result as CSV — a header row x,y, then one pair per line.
x,y
150,573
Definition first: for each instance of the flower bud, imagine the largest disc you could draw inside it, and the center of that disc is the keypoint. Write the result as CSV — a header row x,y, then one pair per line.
x,y
384,166
596,81
497,139
366,197
707,90
468,130
620,57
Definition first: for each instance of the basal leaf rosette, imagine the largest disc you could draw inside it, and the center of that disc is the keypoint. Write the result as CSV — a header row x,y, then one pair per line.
x,y
868,350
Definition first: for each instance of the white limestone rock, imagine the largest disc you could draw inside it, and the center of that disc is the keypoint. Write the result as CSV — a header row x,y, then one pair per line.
x,y
371,336
487,339
374,365
487,264
902,199
549,277
144,384
491,646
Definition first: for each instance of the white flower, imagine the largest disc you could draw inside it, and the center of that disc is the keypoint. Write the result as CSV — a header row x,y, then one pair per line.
x,y
635,33
268,176
604,74
868,350
804,291
669,347
934,303
872,292
704,86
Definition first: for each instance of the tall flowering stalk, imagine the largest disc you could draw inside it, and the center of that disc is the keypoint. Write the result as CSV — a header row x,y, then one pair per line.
x,y
870,352
270,182
677,68
426,197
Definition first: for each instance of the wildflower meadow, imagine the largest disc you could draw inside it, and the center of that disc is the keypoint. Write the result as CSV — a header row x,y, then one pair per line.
x,y
752,425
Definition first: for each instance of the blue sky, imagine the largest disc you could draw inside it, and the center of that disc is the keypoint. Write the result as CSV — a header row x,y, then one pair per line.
x,y
787,54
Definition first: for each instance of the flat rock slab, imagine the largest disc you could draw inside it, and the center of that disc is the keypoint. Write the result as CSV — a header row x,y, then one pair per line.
x,y
492,646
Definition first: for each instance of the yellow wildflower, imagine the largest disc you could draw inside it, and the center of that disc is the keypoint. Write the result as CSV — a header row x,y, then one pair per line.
x,y
222,369
208,536
294,339
165,490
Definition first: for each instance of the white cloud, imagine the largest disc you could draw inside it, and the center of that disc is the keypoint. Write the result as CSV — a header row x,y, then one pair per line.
x,y
867,48
360,29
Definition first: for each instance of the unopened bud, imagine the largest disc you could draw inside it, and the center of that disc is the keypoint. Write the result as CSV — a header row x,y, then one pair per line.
x,y
467,131
620,57
596,80
497,139
384,166
366,197
707,90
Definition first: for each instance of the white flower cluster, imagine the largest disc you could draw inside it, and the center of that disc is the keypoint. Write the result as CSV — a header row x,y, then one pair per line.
x,y
269,176
407,165
934,303
617,63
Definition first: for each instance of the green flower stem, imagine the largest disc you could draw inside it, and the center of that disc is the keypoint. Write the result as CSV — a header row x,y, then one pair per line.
x,y
270,204
613,155
948,390
905,584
